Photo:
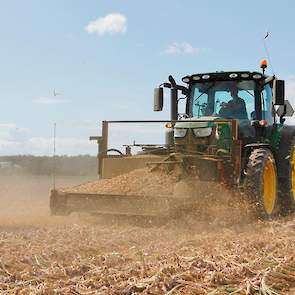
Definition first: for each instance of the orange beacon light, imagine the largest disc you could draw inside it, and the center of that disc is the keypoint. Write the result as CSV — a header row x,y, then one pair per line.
x,y
263,65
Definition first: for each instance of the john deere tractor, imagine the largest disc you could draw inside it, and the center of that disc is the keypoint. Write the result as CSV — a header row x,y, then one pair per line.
x,y
232,131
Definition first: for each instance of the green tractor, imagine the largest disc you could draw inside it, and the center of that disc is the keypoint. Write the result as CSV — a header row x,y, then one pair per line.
x,y
231,131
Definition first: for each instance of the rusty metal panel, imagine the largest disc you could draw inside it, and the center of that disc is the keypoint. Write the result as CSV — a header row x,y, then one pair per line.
x,y
237,160
117,204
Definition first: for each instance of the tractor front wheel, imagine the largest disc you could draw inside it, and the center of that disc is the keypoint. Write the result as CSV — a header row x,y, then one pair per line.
x,y
261,182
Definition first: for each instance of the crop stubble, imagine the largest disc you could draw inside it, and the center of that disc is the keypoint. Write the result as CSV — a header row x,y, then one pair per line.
x,y
81,255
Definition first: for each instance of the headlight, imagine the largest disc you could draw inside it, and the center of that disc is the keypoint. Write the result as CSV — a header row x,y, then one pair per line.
x,y
233,75
196,78
202,132
206,77
186,79
257,76
180,132
245,75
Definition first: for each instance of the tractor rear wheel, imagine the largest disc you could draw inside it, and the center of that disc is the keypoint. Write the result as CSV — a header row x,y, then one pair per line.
x,y
288,181
261,182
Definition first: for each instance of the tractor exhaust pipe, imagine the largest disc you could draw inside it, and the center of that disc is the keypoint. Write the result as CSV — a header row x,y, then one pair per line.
x,y
174,99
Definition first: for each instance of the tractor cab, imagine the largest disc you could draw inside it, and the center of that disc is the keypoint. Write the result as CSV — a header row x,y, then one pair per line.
x,y
242,96
235,95
253,100
228,99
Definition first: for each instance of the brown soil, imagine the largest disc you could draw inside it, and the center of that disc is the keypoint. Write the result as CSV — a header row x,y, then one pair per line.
x,y
86,255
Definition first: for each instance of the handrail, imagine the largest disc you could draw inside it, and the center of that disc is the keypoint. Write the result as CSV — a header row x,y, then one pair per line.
x,y
103,140
171,121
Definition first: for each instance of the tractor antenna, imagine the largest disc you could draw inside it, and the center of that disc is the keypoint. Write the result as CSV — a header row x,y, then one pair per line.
x,y
54,154
267,35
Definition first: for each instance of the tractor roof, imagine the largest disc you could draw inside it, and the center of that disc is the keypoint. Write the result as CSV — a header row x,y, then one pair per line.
x,y
223,76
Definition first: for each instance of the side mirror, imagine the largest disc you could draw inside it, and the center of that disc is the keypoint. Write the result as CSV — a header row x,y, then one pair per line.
x,y
158,99
278,92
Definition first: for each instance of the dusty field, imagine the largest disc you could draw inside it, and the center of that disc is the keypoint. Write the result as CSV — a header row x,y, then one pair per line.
x,y
86,255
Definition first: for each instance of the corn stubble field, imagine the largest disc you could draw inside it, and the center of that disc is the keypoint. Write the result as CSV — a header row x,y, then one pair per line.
x,y
222,251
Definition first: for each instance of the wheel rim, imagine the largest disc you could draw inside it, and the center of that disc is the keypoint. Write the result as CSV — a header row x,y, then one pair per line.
x,y
270,186
293,174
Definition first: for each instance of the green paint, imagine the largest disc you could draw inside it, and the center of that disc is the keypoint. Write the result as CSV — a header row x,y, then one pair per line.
x,y
222,139
276,136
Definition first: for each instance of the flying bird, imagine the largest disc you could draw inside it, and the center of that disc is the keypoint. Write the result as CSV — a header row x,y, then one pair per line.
x,y
267,35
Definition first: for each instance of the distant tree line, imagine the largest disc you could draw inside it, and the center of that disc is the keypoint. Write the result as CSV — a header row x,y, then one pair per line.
x,y
44,165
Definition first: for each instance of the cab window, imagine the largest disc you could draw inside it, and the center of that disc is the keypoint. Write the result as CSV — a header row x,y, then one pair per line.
x,y
266,101
218,99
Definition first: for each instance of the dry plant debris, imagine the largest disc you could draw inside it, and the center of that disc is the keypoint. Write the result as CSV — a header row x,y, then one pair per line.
x,y
84,255
159,183
184,257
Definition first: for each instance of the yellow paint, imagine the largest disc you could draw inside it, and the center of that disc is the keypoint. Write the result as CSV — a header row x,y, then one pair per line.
x,y
293,174
269,186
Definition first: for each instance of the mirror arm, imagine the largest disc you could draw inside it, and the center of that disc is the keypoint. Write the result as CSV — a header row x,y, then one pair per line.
x,y
183,89
269,79
172,82
282,119
181,98
165,85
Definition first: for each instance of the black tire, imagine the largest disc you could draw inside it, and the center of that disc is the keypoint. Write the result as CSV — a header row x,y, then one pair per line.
x,y
261,182
287,182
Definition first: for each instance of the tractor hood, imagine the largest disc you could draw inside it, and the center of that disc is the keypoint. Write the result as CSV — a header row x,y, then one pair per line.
x,y
187,124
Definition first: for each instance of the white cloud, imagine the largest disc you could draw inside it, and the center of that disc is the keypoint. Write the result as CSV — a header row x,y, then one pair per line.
x,y
70,145
11,132
49,100
15,140
182,48
113,23
44,146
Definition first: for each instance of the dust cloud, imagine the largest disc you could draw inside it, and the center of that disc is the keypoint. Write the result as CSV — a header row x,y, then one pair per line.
x,y
220,249
24,199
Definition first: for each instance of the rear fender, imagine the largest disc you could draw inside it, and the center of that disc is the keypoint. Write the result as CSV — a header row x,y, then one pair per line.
x,y
248,148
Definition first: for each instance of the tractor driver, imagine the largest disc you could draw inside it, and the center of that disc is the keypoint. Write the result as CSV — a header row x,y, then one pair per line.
x,y
235,108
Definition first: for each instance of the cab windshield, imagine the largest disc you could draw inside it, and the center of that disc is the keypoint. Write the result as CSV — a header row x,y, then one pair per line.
x,y
225,99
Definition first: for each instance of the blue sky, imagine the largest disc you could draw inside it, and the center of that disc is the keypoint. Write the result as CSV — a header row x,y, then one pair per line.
x,y
109,71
